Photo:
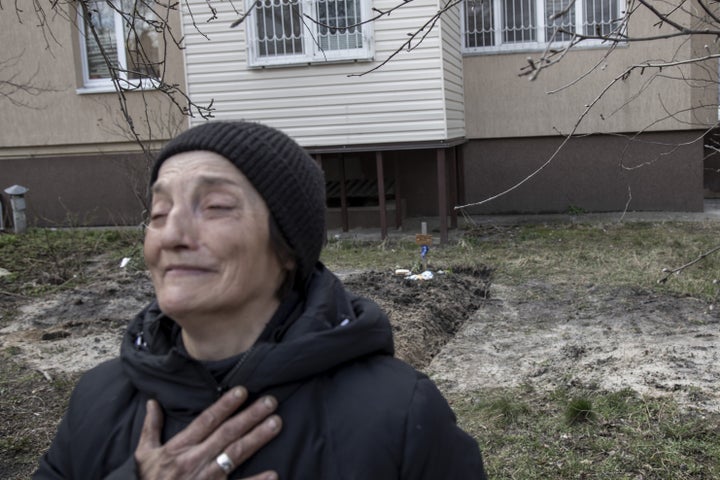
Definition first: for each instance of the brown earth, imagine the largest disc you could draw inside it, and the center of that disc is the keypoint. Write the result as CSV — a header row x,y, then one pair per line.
x,y
548,336
467,334
74,330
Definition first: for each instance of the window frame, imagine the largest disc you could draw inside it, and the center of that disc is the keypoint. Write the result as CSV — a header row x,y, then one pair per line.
x,y
541,41
99,85
310,37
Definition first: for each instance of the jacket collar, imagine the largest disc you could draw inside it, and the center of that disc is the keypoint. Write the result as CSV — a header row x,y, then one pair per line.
x,y
326,329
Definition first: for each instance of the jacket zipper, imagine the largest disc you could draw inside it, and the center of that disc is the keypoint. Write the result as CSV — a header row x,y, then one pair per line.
x,y
224,385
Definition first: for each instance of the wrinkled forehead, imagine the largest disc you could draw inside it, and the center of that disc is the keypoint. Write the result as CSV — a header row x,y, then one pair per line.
x,y
194,164
191,170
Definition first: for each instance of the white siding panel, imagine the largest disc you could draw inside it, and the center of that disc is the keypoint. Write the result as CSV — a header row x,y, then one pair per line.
x,y
361,123
219,36
399,82
352,103
216,56
334,105
408,99
452,73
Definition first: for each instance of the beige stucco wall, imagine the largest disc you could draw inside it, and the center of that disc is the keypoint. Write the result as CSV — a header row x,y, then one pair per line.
x,y
59,120
500,103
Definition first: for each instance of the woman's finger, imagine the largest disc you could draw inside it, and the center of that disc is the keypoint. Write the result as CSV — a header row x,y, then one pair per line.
x,y
242,449
238,426
214,434
209,420
263,476
152,426
237,452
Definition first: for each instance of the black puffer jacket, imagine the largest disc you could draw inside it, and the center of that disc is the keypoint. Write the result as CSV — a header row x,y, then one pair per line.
x,y
349,409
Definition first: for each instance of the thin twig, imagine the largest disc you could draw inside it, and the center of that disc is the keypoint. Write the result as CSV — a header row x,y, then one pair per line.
x,y
10,294
668,271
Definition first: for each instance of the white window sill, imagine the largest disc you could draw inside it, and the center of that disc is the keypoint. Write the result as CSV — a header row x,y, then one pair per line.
x,y
304,62
89,90
539,47
110,88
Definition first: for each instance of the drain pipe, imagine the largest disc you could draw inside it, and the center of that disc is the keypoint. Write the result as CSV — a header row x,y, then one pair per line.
x,y
17,203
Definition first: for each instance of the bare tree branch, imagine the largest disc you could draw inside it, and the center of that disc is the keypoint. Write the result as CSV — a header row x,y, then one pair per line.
x,y
16,88
420,34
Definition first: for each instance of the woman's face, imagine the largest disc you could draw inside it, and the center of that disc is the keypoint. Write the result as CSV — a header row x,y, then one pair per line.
x,y
207,244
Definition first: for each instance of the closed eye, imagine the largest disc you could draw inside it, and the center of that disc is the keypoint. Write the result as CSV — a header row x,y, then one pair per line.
x,y
158,213
220,207
157,218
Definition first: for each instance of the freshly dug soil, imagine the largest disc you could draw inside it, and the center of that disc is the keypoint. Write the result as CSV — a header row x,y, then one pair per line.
x,y
425,314
550,336
467,334
47,343
76,329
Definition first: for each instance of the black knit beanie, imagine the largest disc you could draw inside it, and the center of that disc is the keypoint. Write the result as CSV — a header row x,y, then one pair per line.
x,y
287,178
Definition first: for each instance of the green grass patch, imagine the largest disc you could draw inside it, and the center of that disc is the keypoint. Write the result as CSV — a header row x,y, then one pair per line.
x,y
579,410
44,260
629,436
31,405
524,433
618,254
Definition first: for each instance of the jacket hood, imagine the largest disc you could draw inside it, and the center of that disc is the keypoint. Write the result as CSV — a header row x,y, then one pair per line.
x,y
324,330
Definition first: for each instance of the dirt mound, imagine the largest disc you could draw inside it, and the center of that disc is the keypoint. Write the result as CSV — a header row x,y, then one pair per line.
x,y
551,335
76,329
425,314
467,335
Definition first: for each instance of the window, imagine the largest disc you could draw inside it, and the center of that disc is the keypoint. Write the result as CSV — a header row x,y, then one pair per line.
x,y
130,43
283,32
496,25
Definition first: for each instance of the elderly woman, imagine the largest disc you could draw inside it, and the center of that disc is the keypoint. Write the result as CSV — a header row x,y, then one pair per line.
x,y
248,322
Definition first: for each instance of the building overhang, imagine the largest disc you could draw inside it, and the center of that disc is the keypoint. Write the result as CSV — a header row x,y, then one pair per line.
x,y
384,147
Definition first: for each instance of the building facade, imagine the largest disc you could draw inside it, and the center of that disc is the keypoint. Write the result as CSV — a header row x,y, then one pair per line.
x,y
637,132
411,108
64,132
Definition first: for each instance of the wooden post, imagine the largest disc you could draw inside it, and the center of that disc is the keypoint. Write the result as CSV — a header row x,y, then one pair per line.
x,y
381,194
398,202
318,160
343,196
461,176
442,194
453,188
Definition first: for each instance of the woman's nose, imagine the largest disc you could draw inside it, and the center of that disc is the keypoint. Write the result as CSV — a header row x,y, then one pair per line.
x,y
180,230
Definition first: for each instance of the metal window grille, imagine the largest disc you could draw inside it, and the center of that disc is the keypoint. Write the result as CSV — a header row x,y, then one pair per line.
x,y
282,31
560,22
338,24
279,27
490,24
601,17
479,26
519,21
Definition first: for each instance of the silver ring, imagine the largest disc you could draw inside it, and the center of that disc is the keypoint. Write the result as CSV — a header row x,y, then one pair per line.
x,y
225,463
